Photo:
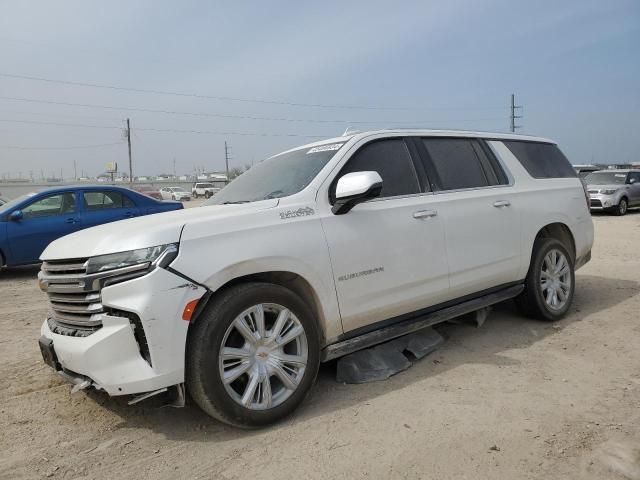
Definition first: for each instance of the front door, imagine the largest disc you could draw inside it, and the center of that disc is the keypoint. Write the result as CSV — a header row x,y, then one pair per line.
x,y
388,254
43,221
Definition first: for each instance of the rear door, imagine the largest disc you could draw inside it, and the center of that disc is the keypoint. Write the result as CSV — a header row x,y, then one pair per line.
x,y
478,206
104,206
388,254
44,220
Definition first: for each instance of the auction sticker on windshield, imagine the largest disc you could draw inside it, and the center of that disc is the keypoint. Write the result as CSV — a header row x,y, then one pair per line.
x,y
325,148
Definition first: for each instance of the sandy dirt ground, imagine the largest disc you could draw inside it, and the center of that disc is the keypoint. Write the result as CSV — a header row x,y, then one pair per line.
x,y
514,399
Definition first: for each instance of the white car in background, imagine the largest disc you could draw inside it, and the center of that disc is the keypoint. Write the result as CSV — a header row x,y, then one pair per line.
x,y
314,253
203,189
175,193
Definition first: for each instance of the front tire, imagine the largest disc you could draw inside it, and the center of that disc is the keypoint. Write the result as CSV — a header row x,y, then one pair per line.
x,y
621,208
550,282
207,194
253,355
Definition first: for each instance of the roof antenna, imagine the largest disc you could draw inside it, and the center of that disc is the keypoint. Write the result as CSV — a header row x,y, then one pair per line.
x,y
349,131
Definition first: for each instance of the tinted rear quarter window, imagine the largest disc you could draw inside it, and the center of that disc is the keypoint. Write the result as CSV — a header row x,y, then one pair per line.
x,y
541,160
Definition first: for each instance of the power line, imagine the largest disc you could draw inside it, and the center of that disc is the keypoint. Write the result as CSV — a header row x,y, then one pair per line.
x,y
234,99
208,132
242,117
36,122
16,147
59,115
164,130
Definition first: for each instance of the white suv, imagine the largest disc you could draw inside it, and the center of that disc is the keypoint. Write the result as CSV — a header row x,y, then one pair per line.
x,y
205,190
312,254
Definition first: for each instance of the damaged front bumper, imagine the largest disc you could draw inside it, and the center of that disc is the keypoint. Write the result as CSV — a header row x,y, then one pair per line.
x,y
118,359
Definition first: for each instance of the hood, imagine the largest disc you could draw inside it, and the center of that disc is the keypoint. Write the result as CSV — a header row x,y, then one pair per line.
x,y
612,186
142,232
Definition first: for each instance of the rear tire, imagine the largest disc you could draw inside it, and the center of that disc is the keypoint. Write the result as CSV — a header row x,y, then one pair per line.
x,y
276,372
622,207
550,282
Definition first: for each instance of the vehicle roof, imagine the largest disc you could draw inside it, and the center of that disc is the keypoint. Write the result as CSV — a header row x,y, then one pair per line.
x,y
84,187
427,133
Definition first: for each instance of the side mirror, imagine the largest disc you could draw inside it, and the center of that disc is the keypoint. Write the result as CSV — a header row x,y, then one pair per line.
x,y
632,181
16,215
354,188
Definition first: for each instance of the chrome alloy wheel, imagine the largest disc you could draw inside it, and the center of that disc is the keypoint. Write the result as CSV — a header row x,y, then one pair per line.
x,y
555,279
263,356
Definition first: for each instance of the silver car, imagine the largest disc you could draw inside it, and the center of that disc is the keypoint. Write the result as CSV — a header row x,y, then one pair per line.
x,y
614,191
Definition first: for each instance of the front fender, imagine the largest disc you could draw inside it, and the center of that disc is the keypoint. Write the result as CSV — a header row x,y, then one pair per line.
x,y
296,246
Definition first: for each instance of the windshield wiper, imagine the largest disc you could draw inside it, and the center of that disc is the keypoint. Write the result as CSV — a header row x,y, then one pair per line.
x,y
238,201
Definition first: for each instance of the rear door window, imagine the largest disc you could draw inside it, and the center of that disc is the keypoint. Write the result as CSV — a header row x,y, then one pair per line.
x,y
391,159
541,160
106,200
456,164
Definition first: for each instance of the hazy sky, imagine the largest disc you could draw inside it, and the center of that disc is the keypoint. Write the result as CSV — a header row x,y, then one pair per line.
x,y
574,65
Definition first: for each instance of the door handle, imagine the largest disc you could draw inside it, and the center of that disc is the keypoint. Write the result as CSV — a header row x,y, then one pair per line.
x,y
502,203
424,214
71,220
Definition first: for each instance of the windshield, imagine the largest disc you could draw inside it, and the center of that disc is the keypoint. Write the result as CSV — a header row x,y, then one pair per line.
x,y
606,178
12,203
278,176
204,185
177,189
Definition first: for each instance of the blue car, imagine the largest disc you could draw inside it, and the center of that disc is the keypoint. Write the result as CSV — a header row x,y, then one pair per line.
x,y
29,223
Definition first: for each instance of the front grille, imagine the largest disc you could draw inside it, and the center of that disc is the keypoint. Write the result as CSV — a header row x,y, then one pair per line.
x,y
75,302
596,203
74,295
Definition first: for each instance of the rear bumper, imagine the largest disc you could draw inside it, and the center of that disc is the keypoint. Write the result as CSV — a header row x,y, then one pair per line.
x,y
111,357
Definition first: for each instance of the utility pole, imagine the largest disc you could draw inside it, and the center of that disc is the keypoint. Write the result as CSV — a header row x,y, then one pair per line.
x,y
75,171
129,145
513,113
226,158
174,166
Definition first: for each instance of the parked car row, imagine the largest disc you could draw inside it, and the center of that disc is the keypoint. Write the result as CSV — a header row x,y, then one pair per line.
x,y
315,253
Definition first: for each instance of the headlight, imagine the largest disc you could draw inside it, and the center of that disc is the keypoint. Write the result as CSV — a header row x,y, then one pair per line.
x,y
609,191
162,255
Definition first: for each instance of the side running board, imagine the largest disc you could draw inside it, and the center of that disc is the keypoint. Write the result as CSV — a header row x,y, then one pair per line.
x,y
418,323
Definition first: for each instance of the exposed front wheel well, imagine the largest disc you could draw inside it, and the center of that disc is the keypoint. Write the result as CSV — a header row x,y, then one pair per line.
x,y
290,280
560,232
